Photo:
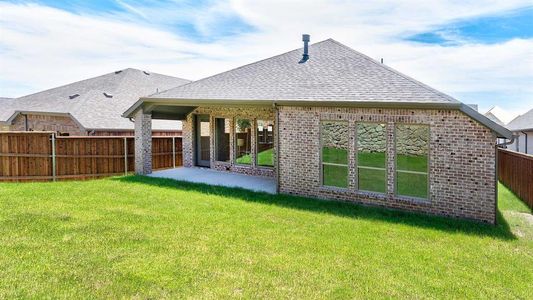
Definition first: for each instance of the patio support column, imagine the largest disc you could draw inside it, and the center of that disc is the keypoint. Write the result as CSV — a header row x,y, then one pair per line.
x,y
143,142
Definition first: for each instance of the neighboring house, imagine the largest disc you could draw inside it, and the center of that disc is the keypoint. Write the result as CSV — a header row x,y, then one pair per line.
x,y
4,101
522,128
334,124
493,117
491,114
88,107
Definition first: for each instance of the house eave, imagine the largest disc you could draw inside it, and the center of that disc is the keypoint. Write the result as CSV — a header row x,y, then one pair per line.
x,y
268,103
150,102
500,131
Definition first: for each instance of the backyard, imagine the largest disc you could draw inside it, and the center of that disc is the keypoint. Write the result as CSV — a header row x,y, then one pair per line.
x,y
139,237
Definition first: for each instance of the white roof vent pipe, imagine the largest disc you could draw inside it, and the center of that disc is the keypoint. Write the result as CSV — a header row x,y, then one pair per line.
x,y
305,38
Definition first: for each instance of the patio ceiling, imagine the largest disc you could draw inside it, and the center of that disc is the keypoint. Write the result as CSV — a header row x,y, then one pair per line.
x,y
168,112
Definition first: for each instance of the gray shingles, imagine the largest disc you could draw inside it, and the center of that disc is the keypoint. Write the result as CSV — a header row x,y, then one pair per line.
x,y
334,72
522,122
92,108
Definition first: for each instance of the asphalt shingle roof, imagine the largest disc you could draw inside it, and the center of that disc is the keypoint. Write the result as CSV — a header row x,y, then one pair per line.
x,y
92,108
522,122
334,72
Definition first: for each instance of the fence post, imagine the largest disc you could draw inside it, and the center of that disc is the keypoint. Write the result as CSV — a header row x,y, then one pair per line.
x,y
53,156
125,156
174,151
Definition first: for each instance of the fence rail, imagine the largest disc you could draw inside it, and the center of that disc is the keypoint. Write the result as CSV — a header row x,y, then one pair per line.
x,y
515,170
42,156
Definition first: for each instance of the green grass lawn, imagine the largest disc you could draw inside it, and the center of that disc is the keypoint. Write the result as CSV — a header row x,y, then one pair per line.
x,y
264,158
139,237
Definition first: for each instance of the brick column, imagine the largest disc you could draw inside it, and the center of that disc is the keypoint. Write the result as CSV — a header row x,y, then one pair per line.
x,y
143,143
188,141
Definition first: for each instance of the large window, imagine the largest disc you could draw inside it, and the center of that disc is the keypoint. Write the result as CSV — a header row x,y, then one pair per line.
x,y
371,157
222,139
412,159
265,143
334,141
243,141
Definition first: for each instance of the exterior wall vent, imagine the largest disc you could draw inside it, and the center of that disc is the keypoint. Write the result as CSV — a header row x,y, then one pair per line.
x,y
73,96
108,95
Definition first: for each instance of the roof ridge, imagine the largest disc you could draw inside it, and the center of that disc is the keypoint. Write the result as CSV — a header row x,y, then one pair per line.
x,y
390,69
98,77
520,116
65,85
240,67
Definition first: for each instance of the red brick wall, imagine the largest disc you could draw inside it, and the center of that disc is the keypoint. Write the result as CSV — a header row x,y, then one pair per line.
x,y
65,124
132,133
462,160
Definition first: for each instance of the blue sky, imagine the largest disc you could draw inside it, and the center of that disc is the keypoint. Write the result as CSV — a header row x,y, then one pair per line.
x,y
156,13
477,51
486,29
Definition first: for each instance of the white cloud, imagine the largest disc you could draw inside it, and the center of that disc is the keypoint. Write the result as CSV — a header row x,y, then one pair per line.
x,y
43,47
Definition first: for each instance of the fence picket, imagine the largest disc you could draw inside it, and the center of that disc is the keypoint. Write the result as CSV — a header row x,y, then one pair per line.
x,y
38,156
515,170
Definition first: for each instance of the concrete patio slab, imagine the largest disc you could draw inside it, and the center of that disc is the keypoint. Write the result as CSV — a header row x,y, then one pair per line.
x,y
213,177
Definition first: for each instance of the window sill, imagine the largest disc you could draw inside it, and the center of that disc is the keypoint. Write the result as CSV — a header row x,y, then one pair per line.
x,y
376,195
243,165
337,189
412,200
265,167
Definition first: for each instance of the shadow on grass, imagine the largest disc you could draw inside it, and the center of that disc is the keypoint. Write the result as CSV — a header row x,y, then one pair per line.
x,y
342,209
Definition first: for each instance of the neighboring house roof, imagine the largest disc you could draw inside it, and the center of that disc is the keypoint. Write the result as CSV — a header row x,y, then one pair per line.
x,y
522,123
96,103
493,118
334,75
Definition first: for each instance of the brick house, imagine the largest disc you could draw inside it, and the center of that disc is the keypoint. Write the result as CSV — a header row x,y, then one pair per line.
x,y
522,128
88,107
334,124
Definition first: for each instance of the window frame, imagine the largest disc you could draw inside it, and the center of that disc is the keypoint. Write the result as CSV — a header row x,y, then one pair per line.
x,y
257,144
428,167
252,154
356,157
215,142
321,150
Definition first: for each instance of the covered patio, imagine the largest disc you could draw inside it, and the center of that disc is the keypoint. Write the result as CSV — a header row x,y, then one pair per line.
x,y
225,145
220,178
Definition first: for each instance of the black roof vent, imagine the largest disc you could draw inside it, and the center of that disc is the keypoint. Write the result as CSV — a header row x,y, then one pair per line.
x,y
305,38
108,95
73,96
118,72
145,72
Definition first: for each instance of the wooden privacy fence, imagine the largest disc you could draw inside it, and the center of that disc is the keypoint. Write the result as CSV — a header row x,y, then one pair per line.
x,y
41,156
515,170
